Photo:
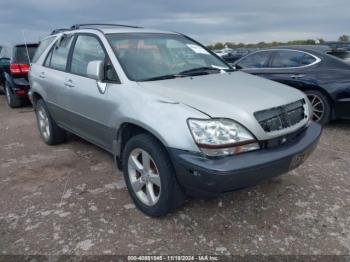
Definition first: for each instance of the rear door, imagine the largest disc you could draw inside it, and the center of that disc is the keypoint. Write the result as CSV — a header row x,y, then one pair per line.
x,y
52,76
292,67
88,106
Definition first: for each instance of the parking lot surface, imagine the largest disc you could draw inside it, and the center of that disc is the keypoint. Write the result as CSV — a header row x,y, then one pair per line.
x,y
70,199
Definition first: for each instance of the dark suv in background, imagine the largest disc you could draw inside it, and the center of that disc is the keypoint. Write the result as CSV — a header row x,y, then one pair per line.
x,y
15,69
4,63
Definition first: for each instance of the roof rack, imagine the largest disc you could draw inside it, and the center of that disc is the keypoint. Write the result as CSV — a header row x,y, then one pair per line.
x,y
60,30
78,26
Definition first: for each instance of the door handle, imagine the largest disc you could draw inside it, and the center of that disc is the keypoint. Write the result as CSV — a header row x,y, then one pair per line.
x,y
296,76
69,83
42,75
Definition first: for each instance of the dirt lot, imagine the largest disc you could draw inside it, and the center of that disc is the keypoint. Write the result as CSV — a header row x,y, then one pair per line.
x,y
70,199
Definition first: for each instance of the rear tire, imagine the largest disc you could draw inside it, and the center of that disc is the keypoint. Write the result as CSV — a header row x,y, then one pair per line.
x,y
320,106
51,133
152,169
12,100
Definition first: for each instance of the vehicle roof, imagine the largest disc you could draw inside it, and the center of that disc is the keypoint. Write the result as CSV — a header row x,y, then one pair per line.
x,y
110,30
24,44
312,48
115,29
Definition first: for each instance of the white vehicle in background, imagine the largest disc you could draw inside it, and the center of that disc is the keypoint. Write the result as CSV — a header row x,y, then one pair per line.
x,y
223,52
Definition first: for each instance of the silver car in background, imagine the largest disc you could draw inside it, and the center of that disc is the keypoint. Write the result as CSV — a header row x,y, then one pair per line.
x,y
178,120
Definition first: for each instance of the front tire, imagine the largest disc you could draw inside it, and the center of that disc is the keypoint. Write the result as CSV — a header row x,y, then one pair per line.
x,y
150,176
320,106
12,100
51,133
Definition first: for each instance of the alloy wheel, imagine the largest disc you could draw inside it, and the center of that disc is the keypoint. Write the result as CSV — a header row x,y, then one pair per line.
x,y
144,177
44,125
318,107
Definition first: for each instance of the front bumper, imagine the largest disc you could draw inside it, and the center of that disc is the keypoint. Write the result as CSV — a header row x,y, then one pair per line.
x,y
202,176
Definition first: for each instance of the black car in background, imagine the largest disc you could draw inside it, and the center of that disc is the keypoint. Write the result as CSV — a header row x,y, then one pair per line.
x,y
339,45
316,70
16,83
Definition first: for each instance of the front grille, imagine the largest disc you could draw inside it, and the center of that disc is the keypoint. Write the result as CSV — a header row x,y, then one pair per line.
x,y
281,117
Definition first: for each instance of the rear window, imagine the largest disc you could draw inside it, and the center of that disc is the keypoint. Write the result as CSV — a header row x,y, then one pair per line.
x,y
21,54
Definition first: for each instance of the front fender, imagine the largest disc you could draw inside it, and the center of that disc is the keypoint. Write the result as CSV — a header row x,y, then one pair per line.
x,y
165,120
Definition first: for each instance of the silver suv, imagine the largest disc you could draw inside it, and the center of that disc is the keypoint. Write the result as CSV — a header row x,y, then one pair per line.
x,y
178,120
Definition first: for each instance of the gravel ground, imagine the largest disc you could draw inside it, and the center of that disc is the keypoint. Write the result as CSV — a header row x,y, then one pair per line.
x,y
70,199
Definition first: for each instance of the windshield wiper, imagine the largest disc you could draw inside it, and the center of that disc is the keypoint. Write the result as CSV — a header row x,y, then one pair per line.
x,y
204,70
163,77
199,70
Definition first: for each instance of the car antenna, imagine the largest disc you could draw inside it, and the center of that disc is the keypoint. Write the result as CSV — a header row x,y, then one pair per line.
x,y
25,43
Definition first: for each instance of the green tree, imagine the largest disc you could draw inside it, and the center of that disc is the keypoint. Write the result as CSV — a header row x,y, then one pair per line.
x,y
344,38
219,46
211,47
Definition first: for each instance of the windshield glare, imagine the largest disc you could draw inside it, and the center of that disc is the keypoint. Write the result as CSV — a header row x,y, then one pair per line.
x,y
145,56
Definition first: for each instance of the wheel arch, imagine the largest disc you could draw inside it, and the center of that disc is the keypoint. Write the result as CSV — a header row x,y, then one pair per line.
x,y
35,97
126,131
323,91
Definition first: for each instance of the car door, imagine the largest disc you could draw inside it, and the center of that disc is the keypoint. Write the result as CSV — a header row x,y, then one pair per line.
x,y
292,67
89,107
52,77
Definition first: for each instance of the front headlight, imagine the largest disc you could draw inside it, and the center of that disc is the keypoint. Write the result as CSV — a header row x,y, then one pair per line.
x,y
218,137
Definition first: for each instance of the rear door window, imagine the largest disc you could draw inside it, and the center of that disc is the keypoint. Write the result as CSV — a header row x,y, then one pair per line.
x,y
57,58
287,58
255,60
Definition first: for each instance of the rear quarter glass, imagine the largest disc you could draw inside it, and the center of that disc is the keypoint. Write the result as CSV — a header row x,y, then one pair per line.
x,y
44,44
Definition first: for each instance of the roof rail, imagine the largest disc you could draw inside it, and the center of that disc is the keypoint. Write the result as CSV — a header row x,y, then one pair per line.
x,y
78,26
60,30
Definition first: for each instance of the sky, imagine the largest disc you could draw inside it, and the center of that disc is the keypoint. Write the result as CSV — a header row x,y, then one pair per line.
x,y
208,21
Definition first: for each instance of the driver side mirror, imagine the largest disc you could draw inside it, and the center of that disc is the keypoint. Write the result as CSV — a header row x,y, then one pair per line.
x,y
95,70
